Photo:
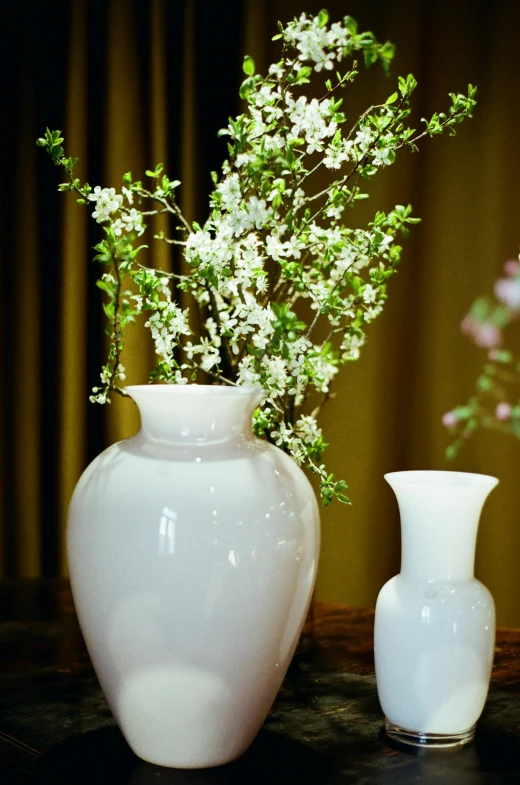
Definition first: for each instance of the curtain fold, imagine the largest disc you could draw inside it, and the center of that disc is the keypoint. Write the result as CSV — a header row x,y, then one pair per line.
x,y
136,82
26,323
73,305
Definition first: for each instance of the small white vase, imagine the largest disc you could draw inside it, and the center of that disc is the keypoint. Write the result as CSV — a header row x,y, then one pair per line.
x,y
435,624
193,550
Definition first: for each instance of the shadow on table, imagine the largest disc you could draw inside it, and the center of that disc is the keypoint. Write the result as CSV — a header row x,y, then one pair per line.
x,y
491,759
102,757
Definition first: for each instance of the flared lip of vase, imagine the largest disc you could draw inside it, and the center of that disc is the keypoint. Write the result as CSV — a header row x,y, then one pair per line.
x,y
432,478
195,389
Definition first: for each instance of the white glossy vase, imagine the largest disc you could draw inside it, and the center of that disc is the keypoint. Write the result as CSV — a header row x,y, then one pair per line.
x,y
193,550
435,624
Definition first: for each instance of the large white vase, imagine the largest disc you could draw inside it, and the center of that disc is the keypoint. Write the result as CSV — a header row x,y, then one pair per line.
x,y
193,550
435,624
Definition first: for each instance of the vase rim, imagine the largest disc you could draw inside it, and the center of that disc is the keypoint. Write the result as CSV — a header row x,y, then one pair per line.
x,y
440,478
197,389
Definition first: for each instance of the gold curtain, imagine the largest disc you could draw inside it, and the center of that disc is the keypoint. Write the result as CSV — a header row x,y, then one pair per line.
x,y
415,366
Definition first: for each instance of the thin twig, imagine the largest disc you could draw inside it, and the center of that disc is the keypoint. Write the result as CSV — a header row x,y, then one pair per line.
x,y
228,357
172,207
214,374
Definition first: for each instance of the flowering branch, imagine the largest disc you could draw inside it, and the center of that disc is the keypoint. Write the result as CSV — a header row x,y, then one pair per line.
x,y
263,251
495,404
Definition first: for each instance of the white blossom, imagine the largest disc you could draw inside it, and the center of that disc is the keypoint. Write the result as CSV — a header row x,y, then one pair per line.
x,y
315,42
107,202
275,371
276,70
127,193
230,190
247,373
310,121
351,346
369,294
133,221
166,325
307,429
257,213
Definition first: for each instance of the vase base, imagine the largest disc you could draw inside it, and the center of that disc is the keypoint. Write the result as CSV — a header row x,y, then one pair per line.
x,y
428,740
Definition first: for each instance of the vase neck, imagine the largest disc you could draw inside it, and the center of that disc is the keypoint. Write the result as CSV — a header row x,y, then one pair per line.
x,y
195,414
440,513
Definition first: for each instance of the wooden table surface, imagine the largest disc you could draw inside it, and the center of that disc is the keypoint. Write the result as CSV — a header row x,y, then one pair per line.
x,y
325,726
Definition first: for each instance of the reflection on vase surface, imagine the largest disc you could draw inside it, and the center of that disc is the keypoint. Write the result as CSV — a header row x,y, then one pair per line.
x,y
435,623
193,551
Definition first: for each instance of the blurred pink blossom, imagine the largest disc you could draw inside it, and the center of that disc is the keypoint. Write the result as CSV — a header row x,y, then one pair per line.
x,y
484,334
512,268
449,419
503,411
507,290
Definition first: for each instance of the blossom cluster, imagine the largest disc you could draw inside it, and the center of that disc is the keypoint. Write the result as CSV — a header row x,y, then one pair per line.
x,y
495,403
282,282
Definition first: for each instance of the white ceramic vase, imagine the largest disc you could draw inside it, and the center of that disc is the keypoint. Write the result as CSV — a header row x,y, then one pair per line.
x,y
435,624
193,549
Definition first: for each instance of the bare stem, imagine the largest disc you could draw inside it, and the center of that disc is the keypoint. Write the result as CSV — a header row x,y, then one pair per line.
x,y
214,374
328,396
117,337
170,207
228,357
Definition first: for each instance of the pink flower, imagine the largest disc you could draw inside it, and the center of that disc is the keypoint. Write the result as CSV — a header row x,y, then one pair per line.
x,y
483,334
512,268
487,335
507,290
467,326
503,411
449,419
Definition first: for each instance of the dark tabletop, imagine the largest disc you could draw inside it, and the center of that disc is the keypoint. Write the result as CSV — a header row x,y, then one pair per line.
x,y
325,726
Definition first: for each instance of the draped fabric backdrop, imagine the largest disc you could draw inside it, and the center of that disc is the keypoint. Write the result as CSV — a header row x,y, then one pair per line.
x,y
133,83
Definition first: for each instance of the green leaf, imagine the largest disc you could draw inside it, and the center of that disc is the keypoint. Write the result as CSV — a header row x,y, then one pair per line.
x,y
156,172
484,384
248,66
109,310
135,251
323,17
452,450
105,286
502,356
370,57
392,99
247,88
501,316
463,412
351,25
386,53
303,74
480,310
